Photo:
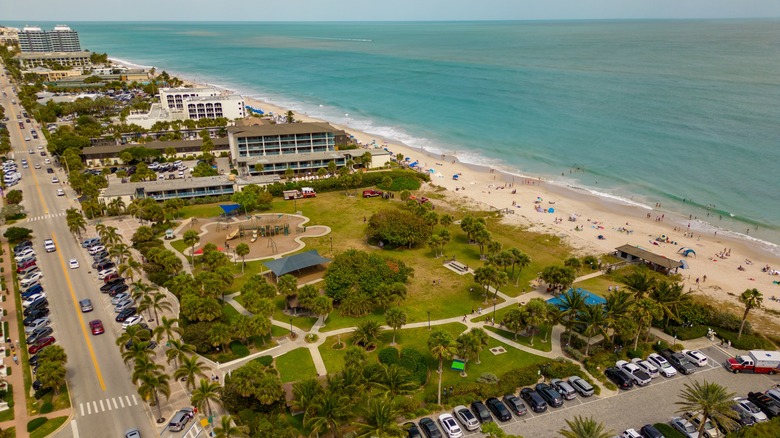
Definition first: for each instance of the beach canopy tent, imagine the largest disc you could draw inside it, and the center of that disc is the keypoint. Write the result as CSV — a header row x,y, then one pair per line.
x,y
456,176
684,264
590,298
686,251
655,261
254,110
296,262
228,209
413,164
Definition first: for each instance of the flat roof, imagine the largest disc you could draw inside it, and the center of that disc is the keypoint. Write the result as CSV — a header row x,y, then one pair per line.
x,y
257,179
219,97
651,257
282,129
39,55
129,188
287,158
159,145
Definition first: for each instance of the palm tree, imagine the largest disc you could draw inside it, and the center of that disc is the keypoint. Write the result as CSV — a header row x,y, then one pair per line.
x,y
328,411
640,282
190,368
712,401
168,327
227,430
177,350
482,339
395,317
144,365
381,418
120,251
752,299
644,311
191,238
515,320
155,303
585,428
129,268
133,334
571,303
366,334
466,347
140,290
396,381
137,350
242,250
536,315
617,306
519,259
442,347
670,297
153,384
593,320
305,392
206,393
76,221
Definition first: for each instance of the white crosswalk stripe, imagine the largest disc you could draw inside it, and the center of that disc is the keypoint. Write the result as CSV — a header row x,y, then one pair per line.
x,y
108,404
46,216
193,432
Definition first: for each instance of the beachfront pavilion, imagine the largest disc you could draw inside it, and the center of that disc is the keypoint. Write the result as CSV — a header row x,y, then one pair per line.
x,y
654,261
296,263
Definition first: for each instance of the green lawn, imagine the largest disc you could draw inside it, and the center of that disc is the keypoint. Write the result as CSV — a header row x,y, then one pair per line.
x,y
417,338
180,246
296,365
8,414
526,340
201,211
48,427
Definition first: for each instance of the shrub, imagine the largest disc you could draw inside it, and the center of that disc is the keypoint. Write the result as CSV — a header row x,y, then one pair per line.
x,y
414,362
265,360
660,346
197,334
36,423
686,333
516,378
41,393
47,407
575,354
639,352
489,378
746,342
239,349
560,369
17,234
389,356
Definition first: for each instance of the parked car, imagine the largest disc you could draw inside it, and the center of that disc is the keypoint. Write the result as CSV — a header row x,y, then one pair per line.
x,y
481,412
550,395
96,249
619,378
428,427
696,357
33,314
131,321
744,419
748,408
765,403
124,304
106,272
647,367
126,313
110,277
34,278
412,431
118,298
38,334
649,431
498,408
41,344
450,426
32,290
100,261
33,298
514,404
466,418
36,321
23,266
630,433
21,245
117,289
685,427
710,429
534,400
679,361
640,377
581,385
371,193
96,327
564,389
664,367
89,243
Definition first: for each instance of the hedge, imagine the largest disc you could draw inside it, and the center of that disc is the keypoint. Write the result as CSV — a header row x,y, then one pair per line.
x,y
389,356
407,180
36,423
239,349
265,360
746,342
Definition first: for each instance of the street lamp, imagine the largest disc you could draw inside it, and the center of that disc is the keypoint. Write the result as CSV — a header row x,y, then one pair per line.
x,y
331,244
429,320
291,329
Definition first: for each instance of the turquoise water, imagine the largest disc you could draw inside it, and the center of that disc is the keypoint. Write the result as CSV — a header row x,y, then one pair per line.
x,y
653,111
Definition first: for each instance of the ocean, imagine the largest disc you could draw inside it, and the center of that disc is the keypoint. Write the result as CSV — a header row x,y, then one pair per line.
x,y
685,113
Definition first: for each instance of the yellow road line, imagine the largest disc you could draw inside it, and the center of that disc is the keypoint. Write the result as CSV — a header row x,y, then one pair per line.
x,y
38,187
81,317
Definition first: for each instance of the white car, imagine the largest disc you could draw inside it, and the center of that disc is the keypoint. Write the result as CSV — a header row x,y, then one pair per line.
x,y
747,407
646,366
60,192
664,367
47,161
106,272
630,433
48,244
55,180
37,165
639,377
24,254
32,279
450,426
131,321
96,249
40,147
73,263
697,357
467,419
33,298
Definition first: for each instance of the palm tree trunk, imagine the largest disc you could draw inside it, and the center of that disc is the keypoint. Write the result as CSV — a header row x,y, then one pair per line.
x,y
587,347
742,324
393,335
438,398
639,332
157,401
532,336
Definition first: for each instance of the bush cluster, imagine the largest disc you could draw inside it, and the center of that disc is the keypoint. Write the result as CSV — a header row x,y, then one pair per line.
x,y
414,362
389,356
407,180
239,349
35,423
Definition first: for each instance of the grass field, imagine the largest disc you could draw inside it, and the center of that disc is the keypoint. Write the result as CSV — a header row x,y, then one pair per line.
x,y
296,365
48,427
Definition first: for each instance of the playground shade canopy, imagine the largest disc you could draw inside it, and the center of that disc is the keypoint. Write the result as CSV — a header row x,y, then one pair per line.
x,y
296,262
229,208
590,298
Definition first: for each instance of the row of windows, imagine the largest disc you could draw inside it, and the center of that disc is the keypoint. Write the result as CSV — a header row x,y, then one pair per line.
x,y
279,151
191,193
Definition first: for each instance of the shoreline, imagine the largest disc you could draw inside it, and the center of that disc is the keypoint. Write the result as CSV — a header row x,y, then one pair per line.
x,y
619,221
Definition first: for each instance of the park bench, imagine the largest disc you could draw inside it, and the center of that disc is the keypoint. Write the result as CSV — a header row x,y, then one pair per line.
x,y
459,266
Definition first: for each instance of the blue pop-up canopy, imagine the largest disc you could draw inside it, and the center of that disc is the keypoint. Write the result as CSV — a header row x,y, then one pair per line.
x,y
229,208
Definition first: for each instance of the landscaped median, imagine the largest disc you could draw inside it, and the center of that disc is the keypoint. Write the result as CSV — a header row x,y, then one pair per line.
x,y
42,427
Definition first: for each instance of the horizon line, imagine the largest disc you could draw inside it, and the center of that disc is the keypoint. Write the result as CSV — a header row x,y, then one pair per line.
x,y
414,21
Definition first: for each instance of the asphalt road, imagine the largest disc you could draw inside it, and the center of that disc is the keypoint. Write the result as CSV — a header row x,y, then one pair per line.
x,y
105,401
634,408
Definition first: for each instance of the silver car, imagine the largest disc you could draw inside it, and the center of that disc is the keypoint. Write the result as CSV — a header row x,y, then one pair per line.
x,y
581,385
685,427
466,418
745,406
646,366
564,388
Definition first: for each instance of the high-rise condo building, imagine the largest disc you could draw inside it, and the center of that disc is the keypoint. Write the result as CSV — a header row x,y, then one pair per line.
x,y
61,39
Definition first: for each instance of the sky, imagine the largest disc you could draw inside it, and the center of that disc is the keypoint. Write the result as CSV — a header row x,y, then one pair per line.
x,y
32,11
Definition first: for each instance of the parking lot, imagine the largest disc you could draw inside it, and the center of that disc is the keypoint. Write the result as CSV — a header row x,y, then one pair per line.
x,y
654,403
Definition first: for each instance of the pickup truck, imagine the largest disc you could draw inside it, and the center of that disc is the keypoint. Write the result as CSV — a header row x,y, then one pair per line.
x,y
756,361
765,403
679,361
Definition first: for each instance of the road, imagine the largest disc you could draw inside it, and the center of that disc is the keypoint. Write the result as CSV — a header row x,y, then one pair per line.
x,y
105,401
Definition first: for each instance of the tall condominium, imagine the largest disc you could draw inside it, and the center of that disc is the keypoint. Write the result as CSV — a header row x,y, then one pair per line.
x,y
61,39
200,103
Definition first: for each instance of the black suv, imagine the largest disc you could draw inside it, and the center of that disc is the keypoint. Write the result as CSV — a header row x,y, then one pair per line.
x,y
534,400
619,378
481,412
765,403
515,405
499,409
429,427
679,361
550,395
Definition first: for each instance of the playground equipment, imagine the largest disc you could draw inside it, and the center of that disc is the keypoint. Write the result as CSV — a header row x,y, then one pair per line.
x,y
254,236
232,235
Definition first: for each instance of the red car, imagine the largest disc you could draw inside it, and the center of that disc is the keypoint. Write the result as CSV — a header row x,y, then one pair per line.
x,y
24,266
110,277
43,342
371,193
96,326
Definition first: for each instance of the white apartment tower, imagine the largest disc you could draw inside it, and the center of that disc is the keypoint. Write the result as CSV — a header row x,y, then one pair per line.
x,y
202,103
33,39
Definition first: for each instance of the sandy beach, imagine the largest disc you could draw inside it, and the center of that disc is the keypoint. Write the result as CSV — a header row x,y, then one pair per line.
x,y
489,189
